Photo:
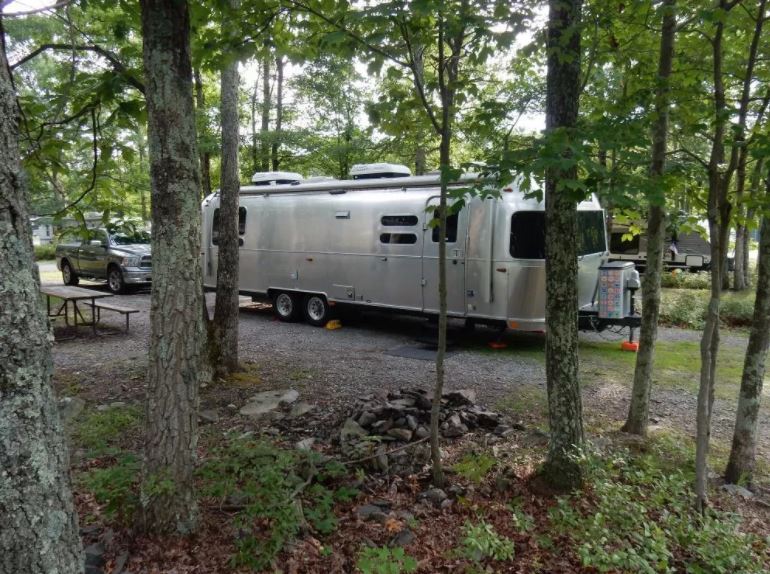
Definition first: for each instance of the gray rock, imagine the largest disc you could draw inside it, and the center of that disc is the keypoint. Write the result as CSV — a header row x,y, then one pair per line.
x,y
454,427
209,416
381,427
446,504
401,434
382,503
461,397
117,405
94,555
421,433
423,402
367,419
120,563
300,409
434,495
305,443
412,422
736,490
268,401
351,431
403,538
102,408
403,403
232,407
70,407
370,512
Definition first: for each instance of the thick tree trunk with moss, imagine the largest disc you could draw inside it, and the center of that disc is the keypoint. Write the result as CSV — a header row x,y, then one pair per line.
x,y
39,531
638,411
565,412
177,332
742,456
223,340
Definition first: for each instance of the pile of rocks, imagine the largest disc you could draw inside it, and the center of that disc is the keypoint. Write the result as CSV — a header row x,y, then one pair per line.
x,y
379,421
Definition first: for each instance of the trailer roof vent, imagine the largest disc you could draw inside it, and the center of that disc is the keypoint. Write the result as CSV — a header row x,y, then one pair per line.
x,y
276,178
379,170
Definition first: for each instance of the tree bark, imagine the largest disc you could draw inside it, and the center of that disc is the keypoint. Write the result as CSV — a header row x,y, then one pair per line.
x,y
278,112
565,412
177,333
638,411
254,134
719,210
223,339
265,128
39,533
755,183
205,156
741,464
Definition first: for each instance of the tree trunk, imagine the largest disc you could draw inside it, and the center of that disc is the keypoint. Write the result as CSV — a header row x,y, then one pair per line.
x,y
205,156
39,533
278,111
638,411
741,464
265,128
177,334
223,339
254,134
754,184
565,411
419,160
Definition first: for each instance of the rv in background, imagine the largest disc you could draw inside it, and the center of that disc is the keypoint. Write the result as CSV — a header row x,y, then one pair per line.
x,y
688,251
370,242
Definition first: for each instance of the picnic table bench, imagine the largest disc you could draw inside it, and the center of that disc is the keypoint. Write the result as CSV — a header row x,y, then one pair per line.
x,y
74,295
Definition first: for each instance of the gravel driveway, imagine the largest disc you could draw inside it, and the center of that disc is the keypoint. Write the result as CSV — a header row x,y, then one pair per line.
x,y
332,368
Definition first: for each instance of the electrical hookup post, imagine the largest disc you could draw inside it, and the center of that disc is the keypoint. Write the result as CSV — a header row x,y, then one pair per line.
x,y
613,306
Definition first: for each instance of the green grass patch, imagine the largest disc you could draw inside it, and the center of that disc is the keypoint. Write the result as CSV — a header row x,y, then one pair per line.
x,y
677,366
105,432
527,402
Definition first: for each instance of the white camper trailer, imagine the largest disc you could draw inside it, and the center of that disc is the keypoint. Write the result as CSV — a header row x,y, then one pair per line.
x,y
309,246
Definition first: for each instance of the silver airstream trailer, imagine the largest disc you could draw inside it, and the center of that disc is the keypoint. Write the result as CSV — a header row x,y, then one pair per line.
x,y
311,245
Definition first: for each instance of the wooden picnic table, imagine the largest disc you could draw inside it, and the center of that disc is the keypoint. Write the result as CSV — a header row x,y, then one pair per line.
x,y
73,295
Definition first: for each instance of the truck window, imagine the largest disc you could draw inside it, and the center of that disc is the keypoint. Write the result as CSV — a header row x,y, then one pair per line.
x,y
591,238
528,235
398,238
215,224
451,227
399,220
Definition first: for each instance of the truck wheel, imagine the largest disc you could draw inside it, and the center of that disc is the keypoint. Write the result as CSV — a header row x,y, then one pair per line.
x,y
316,309
286,306
115,280
69,277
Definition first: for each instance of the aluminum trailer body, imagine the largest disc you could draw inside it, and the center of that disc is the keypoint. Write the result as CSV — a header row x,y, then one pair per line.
x,y
371,243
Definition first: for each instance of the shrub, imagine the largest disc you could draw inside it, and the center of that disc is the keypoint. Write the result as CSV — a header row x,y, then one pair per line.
x,y
115,487
385,560
481,541
45,252
687,308
475,467
638,518
683,280
268,483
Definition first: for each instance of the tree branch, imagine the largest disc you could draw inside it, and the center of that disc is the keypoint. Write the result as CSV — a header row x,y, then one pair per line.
x,y
117,65
5,3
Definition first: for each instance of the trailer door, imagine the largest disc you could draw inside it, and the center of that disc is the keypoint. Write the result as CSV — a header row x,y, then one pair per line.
x,y
456,236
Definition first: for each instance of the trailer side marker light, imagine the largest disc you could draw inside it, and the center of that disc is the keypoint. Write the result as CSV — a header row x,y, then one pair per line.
x,y
308,258
632,346
334,324
513,324
508,189
332,303
497,345
501,269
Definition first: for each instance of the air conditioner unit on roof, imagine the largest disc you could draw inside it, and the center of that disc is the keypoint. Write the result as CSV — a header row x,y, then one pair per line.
x,y
276,178
378,170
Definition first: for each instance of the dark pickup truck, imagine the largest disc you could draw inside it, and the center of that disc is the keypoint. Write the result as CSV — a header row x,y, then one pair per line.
x,y
121,258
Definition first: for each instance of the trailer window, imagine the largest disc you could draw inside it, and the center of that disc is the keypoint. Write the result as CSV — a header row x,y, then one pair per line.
x,y
399,220
451,227
398,238
215,224
590,226
625,247
528,235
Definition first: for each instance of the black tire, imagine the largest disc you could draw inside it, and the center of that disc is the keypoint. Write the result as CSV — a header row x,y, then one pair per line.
x,y
115,281
286,306
316,309
68,275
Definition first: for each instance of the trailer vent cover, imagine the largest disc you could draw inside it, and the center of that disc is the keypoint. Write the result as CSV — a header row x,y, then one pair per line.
x,y
378,170
276,178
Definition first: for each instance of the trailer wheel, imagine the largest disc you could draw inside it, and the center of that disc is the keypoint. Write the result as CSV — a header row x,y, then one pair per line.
x,y
316,310
286,306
